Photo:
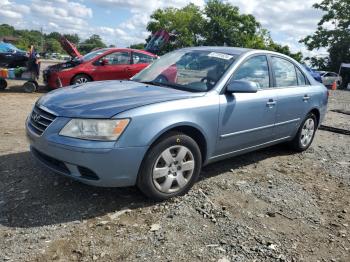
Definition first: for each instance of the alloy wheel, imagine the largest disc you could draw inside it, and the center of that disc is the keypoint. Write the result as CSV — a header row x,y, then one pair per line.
x,y
307,132
81,80
173,169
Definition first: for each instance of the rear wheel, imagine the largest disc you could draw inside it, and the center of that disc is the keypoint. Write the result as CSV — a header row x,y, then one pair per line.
x,y
81,79
171,167
306,133
30,87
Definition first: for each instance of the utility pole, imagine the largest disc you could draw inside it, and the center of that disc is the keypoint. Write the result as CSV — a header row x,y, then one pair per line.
x,y
42,39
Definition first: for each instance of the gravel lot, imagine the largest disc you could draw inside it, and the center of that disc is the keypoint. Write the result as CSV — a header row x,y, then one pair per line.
x,y
270,205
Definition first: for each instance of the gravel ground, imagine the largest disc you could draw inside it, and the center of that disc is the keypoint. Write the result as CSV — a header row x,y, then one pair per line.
x,y
270,205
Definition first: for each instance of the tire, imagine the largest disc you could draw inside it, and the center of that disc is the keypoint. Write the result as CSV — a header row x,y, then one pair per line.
x,y
306,133
3,84
81,79
29,87
163,175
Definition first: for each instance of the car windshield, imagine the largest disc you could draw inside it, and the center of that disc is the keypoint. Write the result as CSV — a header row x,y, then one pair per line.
x,y
190,70
92,54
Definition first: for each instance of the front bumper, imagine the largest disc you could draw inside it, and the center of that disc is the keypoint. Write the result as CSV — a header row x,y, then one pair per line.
x,y
90,162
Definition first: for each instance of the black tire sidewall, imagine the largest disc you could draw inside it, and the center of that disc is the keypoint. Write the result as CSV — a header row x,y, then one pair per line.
x,y
3,84
145,180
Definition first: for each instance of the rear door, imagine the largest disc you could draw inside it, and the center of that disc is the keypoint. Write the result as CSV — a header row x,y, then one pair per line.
x,y
114,66
293,96
139,61
247,119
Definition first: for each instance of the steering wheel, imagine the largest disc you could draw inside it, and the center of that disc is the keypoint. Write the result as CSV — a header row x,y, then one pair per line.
x,y
210,82
161,79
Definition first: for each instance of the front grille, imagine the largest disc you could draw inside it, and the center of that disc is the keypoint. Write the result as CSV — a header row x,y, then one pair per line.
x,y
40,120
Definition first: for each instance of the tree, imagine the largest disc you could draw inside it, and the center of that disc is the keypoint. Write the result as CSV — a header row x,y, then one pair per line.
x,y
139,46
218,25
226,26
73,38
6,30
333,33
91,43
187,22
53,46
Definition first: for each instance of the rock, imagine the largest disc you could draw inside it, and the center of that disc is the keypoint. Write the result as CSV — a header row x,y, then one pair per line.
x,y
271,213
117,214
272,246
241,183
154,227
102,223
224,259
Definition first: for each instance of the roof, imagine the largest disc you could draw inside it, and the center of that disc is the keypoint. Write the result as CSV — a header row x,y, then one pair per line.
x,y
222,49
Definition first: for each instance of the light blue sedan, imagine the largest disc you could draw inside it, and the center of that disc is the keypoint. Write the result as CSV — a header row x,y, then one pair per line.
x,y
190,108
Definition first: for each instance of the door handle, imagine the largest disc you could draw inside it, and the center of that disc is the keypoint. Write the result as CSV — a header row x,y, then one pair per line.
x,y
271,103
128,69
306,98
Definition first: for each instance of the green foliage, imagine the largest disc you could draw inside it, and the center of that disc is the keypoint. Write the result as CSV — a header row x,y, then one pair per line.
x,y
139,46
219,24
187,22
48,42
53,46
93,42
333,33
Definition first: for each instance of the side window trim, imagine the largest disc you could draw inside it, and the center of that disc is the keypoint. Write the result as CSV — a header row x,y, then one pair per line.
x,y
295,66
269,68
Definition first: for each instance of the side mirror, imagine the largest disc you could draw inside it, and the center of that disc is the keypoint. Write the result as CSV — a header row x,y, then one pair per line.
x,y
104,62
242,86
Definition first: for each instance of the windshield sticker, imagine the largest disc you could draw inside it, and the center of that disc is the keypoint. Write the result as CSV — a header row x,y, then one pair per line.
x,y
220,55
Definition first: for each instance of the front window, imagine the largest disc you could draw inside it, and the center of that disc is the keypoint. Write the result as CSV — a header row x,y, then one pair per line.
x,y
255,69
190,70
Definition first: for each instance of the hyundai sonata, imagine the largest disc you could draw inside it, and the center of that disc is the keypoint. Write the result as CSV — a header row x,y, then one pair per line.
x,y
190,108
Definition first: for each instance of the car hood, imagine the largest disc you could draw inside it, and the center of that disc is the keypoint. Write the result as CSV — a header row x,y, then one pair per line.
x,y
107,98
69,47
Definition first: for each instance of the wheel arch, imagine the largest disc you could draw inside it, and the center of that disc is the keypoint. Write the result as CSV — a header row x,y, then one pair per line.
x,y
80,73
190,130
317,113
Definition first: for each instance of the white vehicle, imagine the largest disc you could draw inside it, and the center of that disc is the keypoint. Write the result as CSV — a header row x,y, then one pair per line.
x,y
328,78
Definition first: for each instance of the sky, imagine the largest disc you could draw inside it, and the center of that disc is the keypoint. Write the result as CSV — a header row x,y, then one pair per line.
x,y
123,22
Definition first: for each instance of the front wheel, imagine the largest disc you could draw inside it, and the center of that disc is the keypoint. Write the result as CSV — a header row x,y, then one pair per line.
x,y
80,79
306,133
171,167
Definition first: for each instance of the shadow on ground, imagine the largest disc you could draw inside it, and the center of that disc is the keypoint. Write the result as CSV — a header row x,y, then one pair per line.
x,y
18,88
32,196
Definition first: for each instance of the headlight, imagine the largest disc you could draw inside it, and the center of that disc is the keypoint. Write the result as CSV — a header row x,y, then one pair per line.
x,y
95,129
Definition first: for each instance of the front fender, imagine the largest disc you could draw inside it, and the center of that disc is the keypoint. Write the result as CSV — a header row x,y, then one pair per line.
x,y
148,123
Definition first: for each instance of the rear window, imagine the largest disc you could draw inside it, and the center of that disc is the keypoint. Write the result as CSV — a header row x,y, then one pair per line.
x,y
140,58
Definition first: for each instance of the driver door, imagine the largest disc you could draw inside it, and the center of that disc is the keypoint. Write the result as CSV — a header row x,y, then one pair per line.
x,y
247,119
114,66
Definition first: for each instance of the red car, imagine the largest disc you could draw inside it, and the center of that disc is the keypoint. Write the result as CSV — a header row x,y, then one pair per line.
x,y
102,64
